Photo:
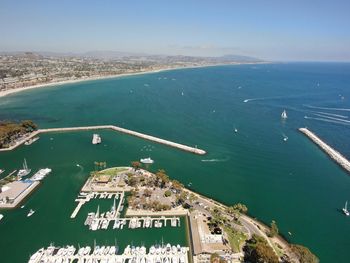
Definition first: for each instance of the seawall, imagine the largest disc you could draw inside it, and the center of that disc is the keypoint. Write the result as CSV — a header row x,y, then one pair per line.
x,y
115,128
335,155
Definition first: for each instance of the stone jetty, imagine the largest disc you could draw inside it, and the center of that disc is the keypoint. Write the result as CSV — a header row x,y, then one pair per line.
x,y
335,155
111,127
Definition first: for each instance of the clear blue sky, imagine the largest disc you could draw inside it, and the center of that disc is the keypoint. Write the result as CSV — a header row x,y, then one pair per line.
x,y
274,30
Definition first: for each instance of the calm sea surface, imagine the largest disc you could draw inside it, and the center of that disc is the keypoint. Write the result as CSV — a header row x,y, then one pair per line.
x,y
292,182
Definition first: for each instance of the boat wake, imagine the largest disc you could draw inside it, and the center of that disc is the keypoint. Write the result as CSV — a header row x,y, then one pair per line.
x,y
326,108
264,98
329,114
215,160
327,120
332,118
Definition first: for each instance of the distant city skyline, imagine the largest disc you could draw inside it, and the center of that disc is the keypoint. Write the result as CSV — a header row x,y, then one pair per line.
x,y
270,30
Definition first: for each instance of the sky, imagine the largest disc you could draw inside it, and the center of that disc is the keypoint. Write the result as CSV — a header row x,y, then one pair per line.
x,y
295,30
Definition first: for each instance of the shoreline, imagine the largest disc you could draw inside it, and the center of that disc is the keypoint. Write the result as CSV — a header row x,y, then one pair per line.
x,y
5,93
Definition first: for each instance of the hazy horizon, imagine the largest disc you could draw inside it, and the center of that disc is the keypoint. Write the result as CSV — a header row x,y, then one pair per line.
x,y
272,31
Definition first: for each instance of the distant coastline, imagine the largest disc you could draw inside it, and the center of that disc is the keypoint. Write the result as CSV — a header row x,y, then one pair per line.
x,y
4,93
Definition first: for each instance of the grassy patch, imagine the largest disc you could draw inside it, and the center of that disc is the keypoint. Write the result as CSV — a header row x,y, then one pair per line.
x,y
235,238
112,171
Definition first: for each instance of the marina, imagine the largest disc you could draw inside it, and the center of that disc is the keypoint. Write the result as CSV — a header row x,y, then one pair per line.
x,y
103,220
109,254
335,155
183,147
16,190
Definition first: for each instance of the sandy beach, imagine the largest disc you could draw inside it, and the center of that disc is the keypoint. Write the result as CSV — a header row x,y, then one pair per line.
x,y
57,83
50,84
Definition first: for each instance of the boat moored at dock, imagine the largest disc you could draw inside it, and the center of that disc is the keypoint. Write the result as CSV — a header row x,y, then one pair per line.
x,y
25,170
31,141
41,174
104,254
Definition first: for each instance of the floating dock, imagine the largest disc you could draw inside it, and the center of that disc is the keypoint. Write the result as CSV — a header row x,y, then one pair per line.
x,y
335,155
110,127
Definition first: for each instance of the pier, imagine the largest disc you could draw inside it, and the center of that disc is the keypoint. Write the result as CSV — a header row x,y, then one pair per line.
x,y
110,127
335,155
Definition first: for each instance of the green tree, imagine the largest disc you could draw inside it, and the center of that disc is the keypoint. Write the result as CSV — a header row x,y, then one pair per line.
x,y
176,185
167,193
303,254
162,177
215,258
241,208
29,125
136,165
257,250
273,230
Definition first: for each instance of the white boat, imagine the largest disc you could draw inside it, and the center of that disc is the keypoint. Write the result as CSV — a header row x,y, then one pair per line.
x,y
39,175
94,224
30,213
31,140
345,209
236,130
104,224
96,139
147,222
1,171
284,115
25,171
1,216
36,256
147,160
116,224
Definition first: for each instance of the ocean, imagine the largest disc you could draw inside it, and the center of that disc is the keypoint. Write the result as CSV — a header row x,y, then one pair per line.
x,y
292,182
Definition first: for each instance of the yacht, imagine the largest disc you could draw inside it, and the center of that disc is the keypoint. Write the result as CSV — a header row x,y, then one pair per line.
x,y
116,224
25,171
148,222
96,139
38,176
345,209
30,213
36,256
284,115
147,160
31,140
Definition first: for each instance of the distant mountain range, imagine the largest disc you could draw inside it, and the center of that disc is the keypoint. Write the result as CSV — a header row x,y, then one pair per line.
x,y
118,55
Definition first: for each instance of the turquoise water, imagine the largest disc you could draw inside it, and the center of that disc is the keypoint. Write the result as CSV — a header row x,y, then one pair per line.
x,y
291,182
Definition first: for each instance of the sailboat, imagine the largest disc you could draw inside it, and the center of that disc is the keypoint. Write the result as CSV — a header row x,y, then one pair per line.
x,y
345,209
25,171
284,115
